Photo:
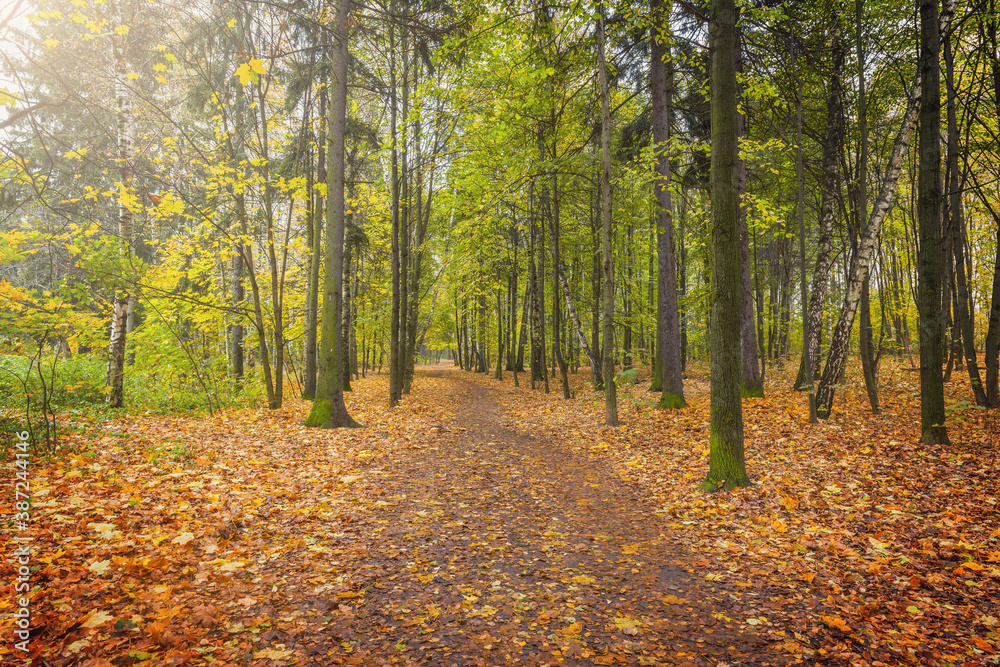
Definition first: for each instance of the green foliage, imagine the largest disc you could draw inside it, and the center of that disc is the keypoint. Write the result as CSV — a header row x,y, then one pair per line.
x,y
626,376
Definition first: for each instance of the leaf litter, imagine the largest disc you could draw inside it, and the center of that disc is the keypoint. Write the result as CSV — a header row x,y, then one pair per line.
x,y
478,524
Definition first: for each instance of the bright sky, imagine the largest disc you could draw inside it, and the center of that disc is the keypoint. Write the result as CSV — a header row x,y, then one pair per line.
x,y
13,13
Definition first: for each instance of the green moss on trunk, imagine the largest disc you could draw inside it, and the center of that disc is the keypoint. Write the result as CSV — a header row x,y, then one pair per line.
x,y
671,400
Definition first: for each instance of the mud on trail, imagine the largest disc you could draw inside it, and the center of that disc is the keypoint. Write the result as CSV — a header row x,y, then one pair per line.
x,y
507,544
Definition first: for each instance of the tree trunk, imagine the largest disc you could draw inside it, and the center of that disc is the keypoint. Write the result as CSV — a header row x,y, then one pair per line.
x,y
860,268
115,379
963,313
992,351
419,229
346,323
522,337
932,415
500,318
395,390
312,291
752,384
580,335
404,229
727,464
328,409
556,314
608,302
236,338
668,333
540,283
597,373
821,273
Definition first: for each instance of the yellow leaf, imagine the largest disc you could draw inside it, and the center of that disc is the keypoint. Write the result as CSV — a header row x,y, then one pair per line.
x,y
51,43
132,75
779,526
161,78
78,646
627,625
96,619
257,65
99,566
121,30
878,546
243,72
231,23
274,654
50,558
573,629
159,67
182,539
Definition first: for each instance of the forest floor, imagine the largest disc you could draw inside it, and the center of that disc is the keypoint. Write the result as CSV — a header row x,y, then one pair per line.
x,y
482,524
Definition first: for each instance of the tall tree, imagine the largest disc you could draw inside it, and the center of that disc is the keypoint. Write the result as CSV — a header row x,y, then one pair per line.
x,y
869,359
861,266
828,212
932,416
808,375
608,298
727,464
668,340
956,225
329,409
124,298
316,244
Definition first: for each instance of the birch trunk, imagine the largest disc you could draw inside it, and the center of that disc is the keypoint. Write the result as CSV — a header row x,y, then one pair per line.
x,y
839,341
608,303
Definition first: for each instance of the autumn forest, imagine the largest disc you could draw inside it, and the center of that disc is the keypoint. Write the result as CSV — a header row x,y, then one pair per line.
x,y
424,332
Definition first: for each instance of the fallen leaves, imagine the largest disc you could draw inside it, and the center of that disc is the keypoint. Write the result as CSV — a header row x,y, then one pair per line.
x,y
97,619
99,566
431,535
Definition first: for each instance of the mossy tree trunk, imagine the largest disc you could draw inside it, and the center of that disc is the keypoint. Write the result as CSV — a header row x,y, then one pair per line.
x,y
727,465
329,410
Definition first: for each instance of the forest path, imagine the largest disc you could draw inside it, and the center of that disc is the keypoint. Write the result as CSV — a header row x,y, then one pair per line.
x,y
509,546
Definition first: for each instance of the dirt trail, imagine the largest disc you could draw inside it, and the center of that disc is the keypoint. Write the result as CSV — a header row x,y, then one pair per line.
x,y
506,548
